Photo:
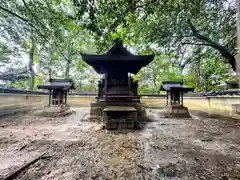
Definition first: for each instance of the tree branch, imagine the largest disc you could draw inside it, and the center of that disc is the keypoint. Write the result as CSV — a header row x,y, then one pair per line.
x,y
119,16
232,40
146,4
130,8
222,50
30,23
23,19
1,32
231,45
25,4
197,44
182,66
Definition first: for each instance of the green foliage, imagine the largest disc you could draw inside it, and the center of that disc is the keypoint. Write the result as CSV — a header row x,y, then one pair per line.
x,y
190,79
35,56
40,79
213,73
19,84
63,29
5,52
27,44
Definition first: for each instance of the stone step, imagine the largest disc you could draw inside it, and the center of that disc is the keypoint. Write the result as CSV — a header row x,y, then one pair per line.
x,y
118,125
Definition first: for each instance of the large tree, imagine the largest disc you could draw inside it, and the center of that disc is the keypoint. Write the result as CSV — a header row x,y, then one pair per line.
x,y
171,26
52,25
180,33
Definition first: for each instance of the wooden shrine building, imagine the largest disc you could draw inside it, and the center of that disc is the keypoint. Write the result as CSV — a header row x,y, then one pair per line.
x,y
118,101
58,90
174,96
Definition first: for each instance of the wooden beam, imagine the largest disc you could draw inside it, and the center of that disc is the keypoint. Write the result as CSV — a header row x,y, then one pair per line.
x,y
49,100
105,85
129,84
15,173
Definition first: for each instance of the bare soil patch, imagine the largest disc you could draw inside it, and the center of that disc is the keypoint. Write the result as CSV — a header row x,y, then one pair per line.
x,y
167,148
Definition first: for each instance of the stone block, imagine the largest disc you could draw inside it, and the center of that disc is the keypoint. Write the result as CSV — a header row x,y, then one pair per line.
x,y
96,111
177,111
111,126
140,109
130,125
54,112
95,119
126,115
121,125
235,108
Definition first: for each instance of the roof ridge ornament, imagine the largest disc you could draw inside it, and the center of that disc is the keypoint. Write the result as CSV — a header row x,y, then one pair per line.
x,y
118,42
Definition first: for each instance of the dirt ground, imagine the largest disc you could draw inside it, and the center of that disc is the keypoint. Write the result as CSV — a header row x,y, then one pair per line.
x,y
198,148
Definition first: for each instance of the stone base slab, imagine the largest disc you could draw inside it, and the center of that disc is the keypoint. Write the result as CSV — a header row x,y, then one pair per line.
x,y
236,109
120,117
121,122
54,111
176,111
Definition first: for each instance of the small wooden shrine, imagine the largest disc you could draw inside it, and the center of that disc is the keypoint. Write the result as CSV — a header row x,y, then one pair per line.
x,y
117,100
174,96
232,85
58,90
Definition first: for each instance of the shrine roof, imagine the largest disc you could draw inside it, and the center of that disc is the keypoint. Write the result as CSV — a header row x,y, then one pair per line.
x,y
232,82
117,58
175,86
57,84
13,77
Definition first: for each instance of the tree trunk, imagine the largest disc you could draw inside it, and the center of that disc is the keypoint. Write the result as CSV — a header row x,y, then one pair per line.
x,y
237,58
50,65
225,53
80,86
69,60
197,71
181,70
197,81
30,65
155,82
238,26
67,69
50,69
206,85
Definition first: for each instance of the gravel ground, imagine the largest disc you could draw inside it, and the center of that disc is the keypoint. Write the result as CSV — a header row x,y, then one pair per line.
x,y
198,148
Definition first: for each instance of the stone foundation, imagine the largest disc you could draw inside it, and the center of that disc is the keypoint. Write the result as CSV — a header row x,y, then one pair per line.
x,y
236,109
120,116
54,111
97,109
176,111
